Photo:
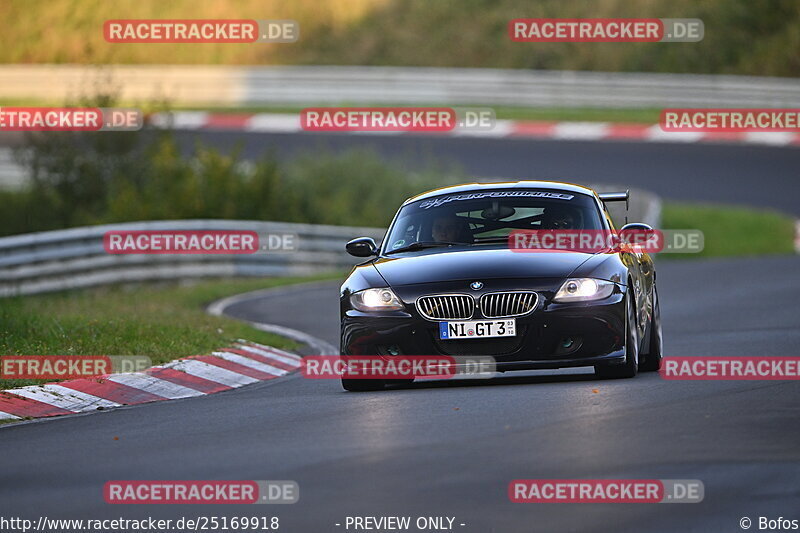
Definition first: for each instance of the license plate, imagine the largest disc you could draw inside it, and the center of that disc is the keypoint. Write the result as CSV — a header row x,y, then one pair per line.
x,y
477,329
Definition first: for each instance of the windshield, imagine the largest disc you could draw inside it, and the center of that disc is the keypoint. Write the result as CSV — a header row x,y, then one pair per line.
x,y
484,217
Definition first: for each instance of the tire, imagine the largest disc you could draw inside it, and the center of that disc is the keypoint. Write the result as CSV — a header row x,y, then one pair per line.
x,y
362,385
631,365
655,345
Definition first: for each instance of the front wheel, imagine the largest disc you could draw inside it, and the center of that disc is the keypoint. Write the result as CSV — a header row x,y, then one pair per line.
x,y
631,365
362,385
655,348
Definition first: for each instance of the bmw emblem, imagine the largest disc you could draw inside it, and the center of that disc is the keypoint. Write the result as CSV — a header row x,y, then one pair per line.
x,y
476,285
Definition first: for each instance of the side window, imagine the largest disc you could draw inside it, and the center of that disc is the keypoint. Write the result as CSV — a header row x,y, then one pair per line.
x,y
406,232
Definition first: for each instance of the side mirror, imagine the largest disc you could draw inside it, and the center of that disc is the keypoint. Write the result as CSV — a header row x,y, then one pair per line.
x,y
362,247
638,227
636,234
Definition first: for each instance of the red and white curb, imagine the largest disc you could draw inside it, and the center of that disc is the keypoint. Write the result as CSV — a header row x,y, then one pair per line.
x,y
242,364
519,129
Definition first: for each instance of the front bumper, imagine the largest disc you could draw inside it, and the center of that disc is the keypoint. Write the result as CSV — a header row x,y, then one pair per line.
x,y
552,336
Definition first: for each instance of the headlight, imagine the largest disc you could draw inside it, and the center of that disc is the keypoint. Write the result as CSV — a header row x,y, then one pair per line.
x,y
584,289
376,300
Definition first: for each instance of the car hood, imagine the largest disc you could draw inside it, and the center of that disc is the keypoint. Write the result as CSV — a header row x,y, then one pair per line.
x,y
474,265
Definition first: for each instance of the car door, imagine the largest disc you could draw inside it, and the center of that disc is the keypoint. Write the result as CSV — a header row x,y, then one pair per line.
x,y
642,272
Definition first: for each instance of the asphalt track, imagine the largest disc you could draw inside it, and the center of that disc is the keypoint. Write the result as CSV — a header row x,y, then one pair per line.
x,y
758,175
451,449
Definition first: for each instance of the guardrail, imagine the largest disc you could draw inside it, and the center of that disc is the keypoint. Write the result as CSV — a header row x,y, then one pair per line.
x,y
241,85
75,258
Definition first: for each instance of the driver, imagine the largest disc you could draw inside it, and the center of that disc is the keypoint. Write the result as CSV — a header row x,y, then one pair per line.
x,y
449,228
560,217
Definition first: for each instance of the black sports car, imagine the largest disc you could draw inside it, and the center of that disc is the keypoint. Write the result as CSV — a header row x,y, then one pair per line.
x,y
446,282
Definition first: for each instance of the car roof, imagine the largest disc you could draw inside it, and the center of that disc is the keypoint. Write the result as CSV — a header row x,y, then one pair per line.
x,y
521,184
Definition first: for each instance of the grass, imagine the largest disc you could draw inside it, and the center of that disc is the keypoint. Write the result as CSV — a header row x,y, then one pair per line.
x,y
731,231
643,116
163,322
566,114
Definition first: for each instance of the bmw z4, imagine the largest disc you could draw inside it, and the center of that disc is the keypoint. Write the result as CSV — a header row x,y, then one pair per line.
x,y
444,281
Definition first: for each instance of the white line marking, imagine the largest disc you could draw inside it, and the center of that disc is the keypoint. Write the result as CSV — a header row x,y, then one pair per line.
x,y
318,345
156,386
274,122
270,349
777,138
34,392
211,372
250,363
58,396
502,128
76,401
581,130
295,362
655,133
182,120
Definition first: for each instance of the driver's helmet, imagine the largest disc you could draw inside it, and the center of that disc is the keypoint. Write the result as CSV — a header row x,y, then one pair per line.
x,y
450,228
561,217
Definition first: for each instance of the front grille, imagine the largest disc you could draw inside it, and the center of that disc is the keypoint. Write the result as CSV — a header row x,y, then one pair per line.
x,y
508,304
446,307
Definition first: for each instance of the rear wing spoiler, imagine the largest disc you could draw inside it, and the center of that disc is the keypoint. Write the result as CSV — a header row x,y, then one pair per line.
x,y
616,197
